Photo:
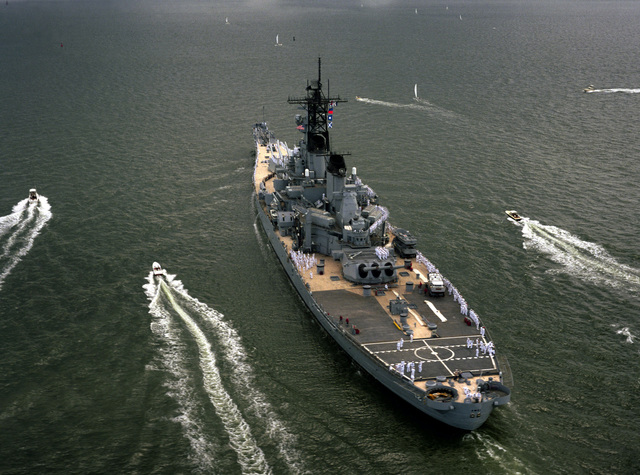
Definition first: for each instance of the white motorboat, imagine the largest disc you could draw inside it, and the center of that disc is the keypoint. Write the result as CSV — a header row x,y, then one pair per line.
x,y
158,271
513,215
33,196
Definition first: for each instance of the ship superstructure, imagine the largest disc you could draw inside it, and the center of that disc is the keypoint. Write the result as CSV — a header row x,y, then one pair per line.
x,y
365,281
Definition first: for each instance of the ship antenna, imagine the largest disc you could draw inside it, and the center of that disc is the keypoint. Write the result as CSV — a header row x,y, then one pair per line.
x,y
319,69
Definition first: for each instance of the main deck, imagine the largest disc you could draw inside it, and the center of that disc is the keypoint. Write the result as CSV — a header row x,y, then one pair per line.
x,y
446,346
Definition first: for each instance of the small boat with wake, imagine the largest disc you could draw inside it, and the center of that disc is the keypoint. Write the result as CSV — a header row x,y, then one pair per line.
x,y
158,271
589,88
33,196
513,214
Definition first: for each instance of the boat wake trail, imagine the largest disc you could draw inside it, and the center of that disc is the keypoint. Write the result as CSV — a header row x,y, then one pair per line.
x,y
491,452
624,331
419,104
18,232
180,387
609,91
586,260
170,305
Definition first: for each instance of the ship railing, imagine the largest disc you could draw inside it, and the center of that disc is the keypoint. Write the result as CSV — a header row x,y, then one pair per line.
x,y
505,371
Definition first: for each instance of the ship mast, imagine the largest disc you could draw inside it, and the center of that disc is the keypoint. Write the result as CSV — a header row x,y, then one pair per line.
x,y
317,106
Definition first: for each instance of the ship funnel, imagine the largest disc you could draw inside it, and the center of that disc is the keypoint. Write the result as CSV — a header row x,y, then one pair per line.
x,y
336,166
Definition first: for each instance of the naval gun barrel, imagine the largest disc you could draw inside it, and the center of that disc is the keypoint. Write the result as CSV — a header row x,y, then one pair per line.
x,y
384,266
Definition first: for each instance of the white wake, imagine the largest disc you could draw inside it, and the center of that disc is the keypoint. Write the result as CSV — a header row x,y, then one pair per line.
x,y
19,230
491,452
626,332
229,347
418,104
180,386
587,260
612,90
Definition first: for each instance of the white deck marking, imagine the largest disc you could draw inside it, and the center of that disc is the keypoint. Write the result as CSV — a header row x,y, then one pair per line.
x,y
435,353
435,310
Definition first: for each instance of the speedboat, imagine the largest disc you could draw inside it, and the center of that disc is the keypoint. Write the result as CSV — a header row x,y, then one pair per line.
x,y
33,196
157,270
513,215
589,88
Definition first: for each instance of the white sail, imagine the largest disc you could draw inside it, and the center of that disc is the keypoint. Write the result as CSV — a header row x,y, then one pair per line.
x,y
415,90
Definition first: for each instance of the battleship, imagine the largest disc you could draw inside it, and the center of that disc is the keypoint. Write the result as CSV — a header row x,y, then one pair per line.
x,y
365,281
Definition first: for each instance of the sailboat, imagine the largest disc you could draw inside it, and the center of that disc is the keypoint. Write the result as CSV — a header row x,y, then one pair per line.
x,y
277,42
226,20
415,91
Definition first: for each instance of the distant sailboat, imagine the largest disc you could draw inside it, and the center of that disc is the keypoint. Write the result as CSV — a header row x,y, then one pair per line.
x,y
416,11
226,20
415,91
461,17
277,42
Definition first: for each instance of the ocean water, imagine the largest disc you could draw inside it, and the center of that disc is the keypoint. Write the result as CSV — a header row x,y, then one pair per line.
x,y
133,120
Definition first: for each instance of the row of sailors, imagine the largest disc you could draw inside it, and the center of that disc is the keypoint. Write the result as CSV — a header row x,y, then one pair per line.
x,y
427,263
380,220
382,253
464,307
482,346
303,261
277,148
410,367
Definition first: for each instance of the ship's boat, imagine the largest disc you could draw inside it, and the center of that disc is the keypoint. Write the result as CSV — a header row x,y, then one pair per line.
x,y
365,281
158,271
513,214
33,196
589,88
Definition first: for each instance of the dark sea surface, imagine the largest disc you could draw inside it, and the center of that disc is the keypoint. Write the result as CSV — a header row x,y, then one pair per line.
x,y
133,120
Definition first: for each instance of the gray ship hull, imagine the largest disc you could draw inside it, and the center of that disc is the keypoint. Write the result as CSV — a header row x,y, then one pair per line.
x,y
455,414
